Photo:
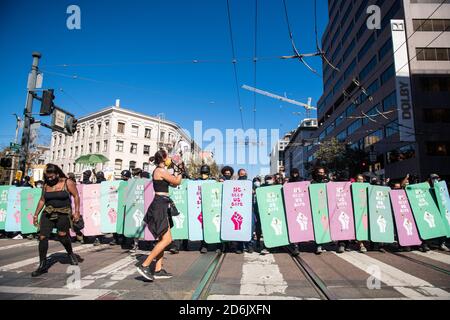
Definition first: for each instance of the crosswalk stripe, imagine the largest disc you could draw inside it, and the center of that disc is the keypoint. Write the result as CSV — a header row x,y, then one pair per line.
x,y
26,262
444,258
80,294
249,297
405,283
20,245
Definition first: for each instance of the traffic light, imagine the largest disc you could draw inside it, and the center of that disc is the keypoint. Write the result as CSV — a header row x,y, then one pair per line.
x,y
47,102
6,162
71,125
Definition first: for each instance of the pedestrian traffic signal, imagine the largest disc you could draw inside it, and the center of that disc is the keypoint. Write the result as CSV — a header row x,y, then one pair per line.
x,y
47,105
6,162
71,125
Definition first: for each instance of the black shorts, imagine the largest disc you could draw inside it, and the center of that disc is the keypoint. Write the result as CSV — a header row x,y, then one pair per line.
x,y
158,218
62,224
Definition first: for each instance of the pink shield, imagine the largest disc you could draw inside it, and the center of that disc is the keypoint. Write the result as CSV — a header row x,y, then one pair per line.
x,y
298,212
342,222
149,195
404,219
91,209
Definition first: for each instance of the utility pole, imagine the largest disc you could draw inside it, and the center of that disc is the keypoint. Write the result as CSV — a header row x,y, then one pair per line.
x,y
27,113
18,124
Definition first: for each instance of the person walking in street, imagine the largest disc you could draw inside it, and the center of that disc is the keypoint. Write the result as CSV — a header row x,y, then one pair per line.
x,y
57,213
158,217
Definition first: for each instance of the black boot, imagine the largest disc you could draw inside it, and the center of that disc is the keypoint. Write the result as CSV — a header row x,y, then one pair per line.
x,y
73,259
41,269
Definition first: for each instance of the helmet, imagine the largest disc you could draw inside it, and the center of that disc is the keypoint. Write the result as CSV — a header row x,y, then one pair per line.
x,y
126,174
205,169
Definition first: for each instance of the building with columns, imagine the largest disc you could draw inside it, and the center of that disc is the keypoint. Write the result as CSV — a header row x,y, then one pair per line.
x,y
127,138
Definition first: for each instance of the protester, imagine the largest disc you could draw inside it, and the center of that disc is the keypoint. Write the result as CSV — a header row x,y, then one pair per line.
x,y
227,173
319,175
433,179
251,246
158,217
27,182
56,198
145,175
238,246
362,248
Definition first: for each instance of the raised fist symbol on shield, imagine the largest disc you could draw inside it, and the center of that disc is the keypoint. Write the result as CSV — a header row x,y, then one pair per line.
x,y
237,221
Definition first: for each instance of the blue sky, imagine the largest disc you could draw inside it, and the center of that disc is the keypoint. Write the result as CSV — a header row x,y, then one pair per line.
x,y
124,35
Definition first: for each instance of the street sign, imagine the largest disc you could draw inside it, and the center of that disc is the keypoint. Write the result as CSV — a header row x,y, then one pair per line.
x,y
59,119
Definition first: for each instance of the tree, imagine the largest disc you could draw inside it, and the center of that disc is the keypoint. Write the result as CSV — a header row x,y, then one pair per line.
x,y
339,158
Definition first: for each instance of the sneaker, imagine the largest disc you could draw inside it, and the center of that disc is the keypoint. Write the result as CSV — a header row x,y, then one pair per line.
x,y
73,259
162,274
203,250
80,239
174,250
250,249
219,251
113,242
18,237
319,250
264,252
296,252
40,270
145,272
407,249
341,249
443,247
382,249
362,249
96,242
424,247
30,237
238,251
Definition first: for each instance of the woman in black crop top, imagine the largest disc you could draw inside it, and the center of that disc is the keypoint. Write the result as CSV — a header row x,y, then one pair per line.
x,y
158,217
57,204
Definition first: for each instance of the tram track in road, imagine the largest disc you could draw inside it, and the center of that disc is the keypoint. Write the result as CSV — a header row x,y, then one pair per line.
x,y
422,263
312,277
201,292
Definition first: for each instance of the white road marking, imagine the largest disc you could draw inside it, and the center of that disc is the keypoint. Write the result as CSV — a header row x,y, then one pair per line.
x,y
248,297
20,245
407,284
80,294
106,271
444,258
26,262
261,276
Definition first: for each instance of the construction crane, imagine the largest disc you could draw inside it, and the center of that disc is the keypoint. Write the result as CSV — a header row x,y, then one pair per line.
x,y
307,106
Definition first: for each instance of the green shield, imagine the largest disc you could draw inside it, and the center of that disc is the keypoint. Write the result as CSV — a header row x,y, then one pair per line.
x,y
425,211
319,209
381,221
29,199
134,209
443,201
3,205
180,230
272,215
360,209
212,210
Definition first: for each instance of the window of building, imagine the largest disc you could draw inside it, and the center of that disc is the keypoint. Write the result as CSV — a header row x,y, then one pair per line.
x,y
349,72
146,150
60,139
105,145
134,131
83,133
390,102
368,68
106,127
70,152
387,74
118,165
373,112
119,146
342,136
370,91
354,126
148,133
435,84
340,118
99,129
401,154
76,151
90,148
146,167
438,148
322,136
132,165
91,131
436,25
162,136
385,49
59,154
121,127
350,109
82,150
373,138
391,128
433,54
97,146
365,48
436,115
133,148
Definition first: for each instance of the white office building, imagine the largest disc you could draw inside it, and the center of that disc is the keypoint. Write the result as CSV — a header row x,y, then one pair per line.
x,y
127,138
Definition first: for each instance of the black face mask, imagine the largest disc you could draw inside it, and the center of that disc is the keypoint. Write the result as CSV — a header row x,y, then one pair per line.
x,y
52,182
227,177
243,178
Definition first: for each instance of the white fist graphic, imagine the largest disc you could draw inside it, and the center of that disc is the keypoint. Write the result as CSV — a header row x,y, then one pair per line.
x,y
276,226
429,218
216,222
344,219
408,227
302,220
138,216
179,221
382,223
95,218
2,215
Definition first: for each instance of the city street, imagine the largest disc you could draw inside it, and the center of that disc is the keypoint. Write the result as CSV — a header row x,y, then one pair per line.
x,y
109,273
